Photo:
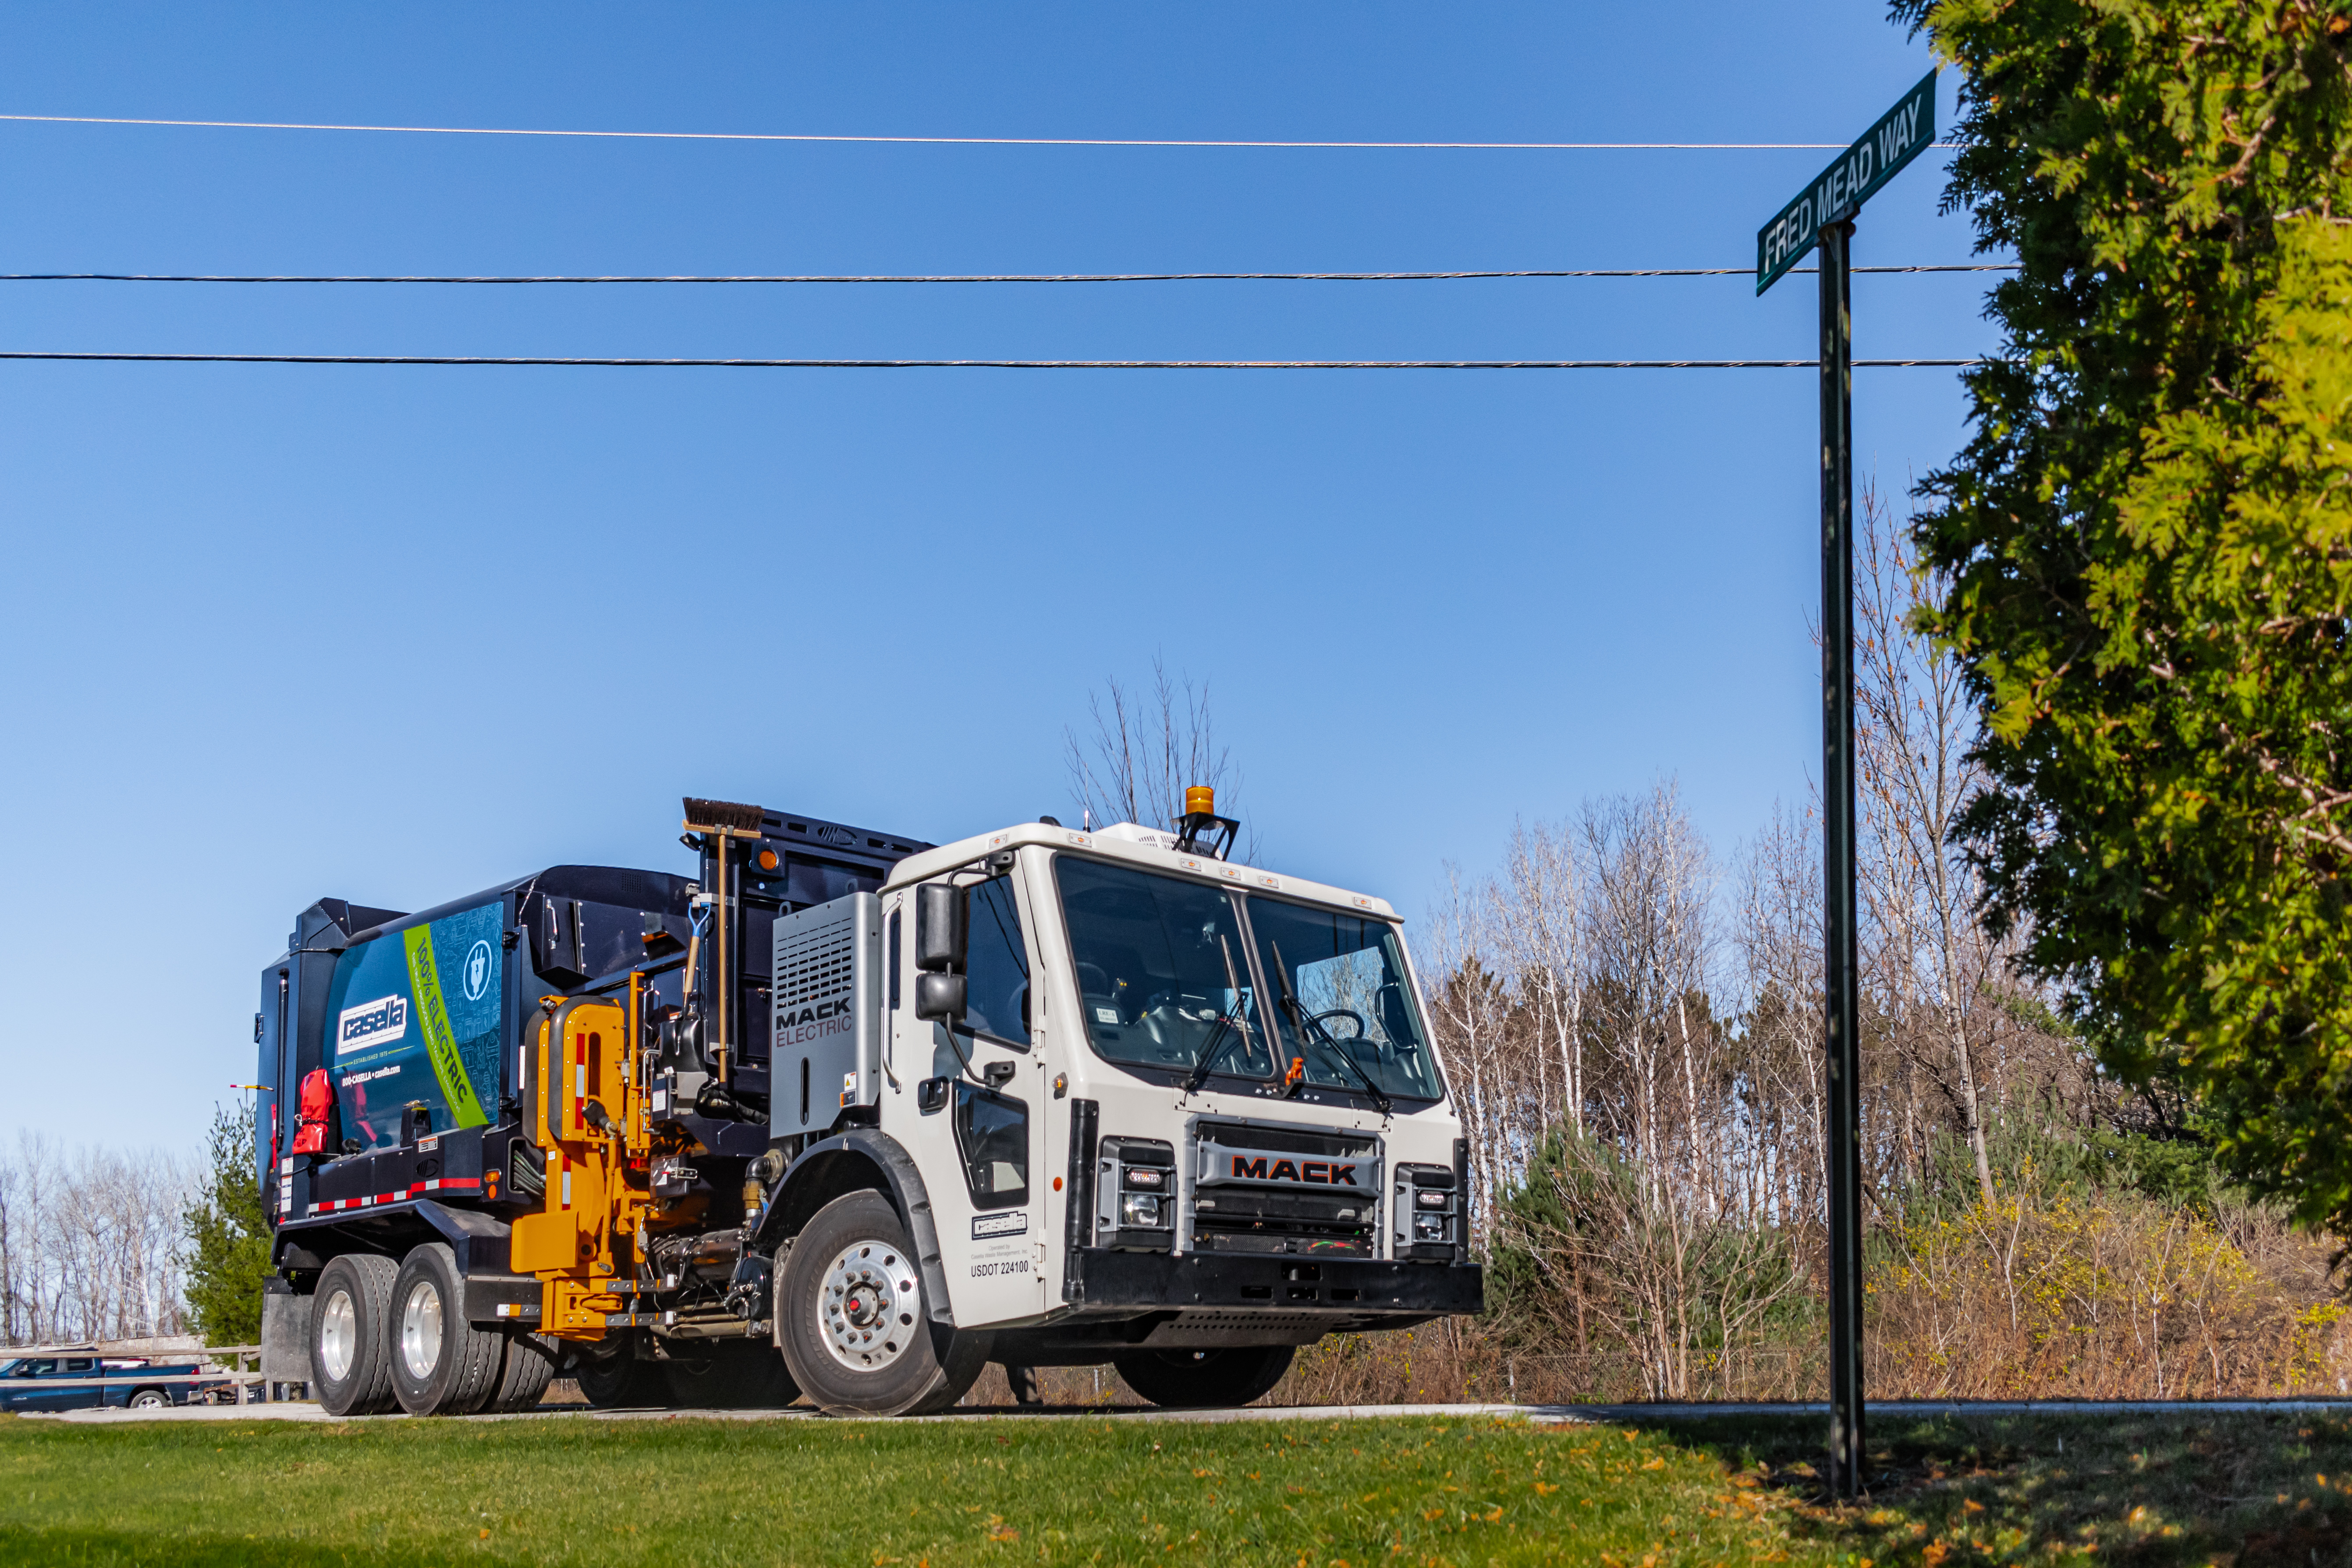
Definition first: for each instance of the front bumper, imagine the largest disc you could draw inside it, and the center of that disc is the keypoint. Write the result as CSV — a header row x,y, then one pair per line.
x,y
1101,1279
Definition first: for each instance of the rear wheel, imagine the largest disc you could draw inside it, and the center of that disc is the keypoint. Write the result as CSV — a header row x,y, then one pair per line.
x,y
441,1364
523,1376
746,1375
616,1380
1205,1380
350,1362
857,1331
149,1399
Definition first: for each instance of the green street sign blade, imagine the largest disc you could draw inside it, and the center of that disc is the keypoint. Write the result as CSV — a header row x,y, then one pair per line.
x,y
1902,134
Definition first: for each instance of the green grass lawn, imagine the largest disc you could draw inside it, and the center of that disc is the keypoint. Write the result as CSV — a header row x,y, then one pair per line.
x,y
2244,1489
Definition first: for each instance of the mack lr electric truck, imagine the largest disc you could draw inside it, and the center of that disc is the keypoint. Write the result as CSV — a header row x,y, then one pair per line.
x,y
848,1116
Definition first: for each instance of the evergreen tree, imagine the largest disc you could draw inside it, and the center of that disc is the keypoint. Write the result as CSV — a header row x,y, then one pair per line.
x,y
227,1254
2148,539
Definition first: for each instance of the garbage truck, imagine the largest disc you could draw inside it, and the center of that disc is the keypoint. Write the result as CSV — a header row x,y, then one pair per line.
x,y
848,1116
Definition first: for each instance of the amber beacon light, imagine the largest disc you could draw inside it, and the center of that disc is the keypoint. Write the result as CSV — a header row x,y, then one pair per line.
x,y
1201,829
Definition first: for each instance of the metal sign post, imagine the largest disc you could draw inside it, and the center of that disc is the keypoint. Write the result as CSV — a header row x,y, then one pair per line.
x,y
1822,215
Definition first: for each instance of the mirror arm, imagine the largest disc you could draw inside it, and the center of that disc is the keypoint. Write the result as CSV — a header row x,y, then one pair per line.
x,y
963,1058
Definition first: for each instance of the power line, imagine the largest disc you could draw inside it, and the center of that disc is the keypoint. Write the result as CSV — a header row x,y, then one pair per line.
x,y
990,363
954,277
956,141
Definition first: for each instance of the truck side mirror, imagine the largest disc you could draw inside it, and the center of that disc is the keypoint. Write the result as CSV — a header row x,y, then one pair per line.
x,y
942,932
940,997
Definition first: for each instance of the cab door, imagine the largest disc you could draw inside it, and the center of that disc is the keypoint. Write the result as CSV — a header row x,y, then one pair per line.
x,y
980,1132
79,1369
24,1386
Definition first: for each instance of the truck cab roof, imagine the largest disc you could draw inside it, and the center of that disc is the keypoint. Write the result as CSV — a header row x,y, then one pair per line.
x,y
1138,845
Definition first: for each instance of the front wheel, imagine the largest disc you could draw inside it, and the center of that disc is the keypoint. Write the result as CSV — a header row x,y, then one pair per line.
x,y
1205,1380
856,1331
730,1375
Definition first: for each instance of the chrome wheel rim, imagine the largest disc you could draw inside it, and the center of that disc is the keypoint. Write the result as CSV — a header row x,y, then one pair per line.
x,y
420,1330
870,1307
338,1336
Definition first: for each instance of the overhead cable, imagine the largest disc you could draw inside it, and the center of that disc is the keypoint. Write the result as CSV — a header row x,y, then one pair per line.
x,y
952,277
990,364
956,141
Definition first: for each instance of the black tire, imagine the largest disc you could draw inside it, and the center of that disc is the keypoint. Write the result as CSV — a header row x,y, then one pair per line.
x,y
349,1329
149,1399
730,1375
894,1360
617,1380
441,1364
1205,1380
523,1376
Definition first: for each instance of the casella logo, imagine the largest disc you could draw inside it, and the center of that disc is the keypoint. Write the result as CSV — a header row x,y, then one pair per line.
x,y
370,1024
1312,1172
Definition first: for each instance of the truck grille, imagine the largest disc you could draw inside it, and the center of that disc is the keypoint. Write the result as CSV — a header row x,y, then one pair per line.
x,y
1284,1190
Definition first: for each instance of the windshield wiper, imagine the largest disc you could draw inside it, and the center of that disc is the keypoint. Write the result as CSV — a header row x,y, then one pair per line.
x,y
1215,1045
1298,1015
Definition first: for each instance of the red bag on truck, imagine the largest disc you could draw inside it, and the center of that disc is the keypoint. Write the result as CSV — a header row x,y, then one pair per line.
x,y
318,1104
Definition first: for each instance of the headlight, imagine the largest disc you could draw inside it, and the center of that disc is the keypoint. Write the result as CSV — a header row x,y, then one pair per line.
x,y
1429,1227
1139,1209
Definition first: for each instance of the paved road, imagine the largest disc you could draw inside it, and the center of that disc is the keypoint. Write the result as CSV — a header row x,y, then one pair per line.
x,y
1595,1415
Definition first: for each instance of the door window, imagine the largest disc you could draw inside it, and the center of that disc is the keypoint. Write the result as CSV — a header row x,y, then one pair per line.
x,y
996,988
992,1133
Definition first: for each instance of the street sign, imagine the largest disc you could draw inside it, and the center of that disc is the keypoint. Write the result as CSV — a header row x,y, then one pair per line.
x,y
1823,214
1901,134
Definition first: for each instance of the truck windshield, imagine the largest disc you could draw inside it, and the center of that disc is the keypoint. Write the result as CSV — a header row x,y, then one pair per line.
x,y
1348,975
1163,970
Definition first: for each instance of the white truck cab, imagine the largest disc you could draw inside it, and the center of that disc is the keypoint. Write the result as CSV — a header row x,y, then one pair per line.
x,y
1167,1111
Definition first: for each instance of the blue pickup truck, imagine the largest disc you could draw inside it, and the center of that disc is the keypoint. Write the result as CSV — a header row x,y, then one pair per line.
x,y
47,1382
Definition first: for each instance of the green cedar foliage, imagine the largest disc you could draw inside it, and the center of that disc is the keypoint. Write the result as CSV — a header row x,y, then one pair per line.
x,y
2149,544
227,1253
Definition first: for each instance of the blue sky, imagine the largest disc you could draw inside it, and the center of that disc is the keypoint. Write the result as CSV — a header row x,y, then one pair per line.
x,y
393,634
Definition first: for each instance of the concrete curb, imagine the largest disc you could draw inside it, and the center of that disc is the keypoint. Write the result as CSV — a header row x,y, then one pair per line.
x,y
1541,1415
